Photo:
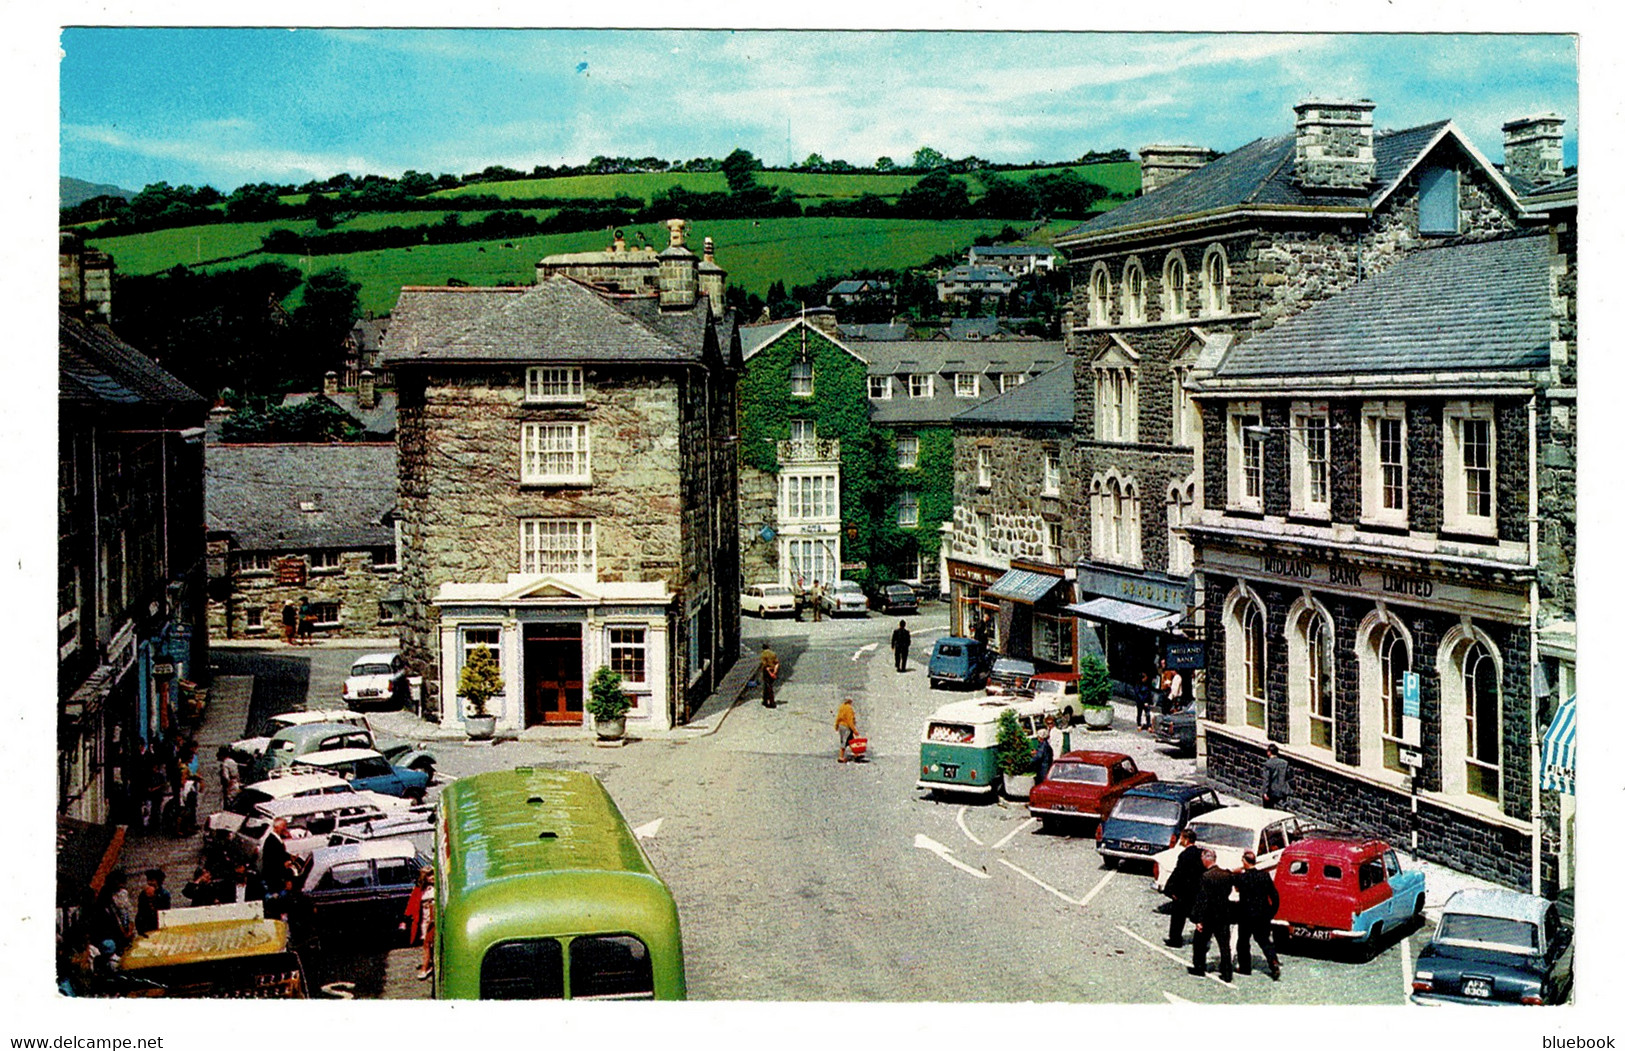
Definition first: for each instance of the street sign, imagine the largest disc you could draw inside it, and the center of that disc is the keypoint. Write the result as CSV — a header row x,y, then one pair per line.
x,y
1411,723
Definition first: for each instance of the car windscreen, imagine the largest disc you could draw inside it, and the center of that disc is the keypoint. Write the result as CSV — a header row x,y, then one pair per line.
x,y
1511,935
950,733
370,669
1078,773
279,747
775,591
254,828
1144,808
1225,836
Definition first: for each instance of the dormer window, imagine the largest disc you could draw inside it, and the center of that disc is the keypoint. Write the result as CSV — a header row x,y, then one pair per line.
x,y
1438,206
967,384
880,387
555,384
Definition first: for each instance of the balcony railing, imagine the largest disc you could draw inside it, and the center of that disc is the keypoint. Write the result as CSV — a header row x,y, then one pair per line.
x,y
816,450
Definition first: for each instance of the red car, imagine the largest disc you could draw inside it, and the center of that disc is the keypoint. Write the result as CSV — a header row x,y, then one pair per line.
x,y
1346,886
1084,786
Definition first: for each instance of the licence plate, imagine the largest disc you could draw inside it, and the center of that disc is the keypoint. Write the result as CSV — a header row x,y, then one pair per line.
x,y
1481,988
950,769
1319,934
369,693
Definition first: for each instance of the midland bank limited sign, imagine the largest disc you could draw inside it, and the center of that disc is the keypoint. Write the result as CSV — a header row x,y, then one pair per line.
x,y
1509,597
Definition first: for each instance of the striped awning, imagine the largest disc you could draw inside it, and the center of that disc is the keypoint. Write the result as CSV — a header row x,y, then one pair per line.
x,y
1557,750
1020,585
1130,613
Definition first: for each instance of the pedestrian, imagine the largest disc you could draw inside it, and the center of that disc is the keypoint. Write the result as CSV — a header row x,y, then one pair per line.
x,y
242,885
899,645
1212,916
420,920
846,727
114,918
290,622
185,811
1182,886
1165,686
1043,756
1276,784
1176,690
801,596
152,900
1257,907
1142,702
817,601
231,776
768,670
153,792
307,620
1063,727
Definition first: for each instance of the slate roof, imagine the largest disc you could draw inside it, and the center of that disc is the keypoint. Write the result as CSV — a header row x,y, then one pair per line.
x,y
965,273
890,331
1465,307
1019,251
378,420
860,286
559,319
943,359
255,492
1046,399
94,365
1262,173
752,338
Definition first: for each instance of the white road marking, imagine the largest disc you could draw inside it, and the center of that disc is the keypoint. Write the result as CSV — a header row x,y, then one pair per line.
x,y
1011,834
861,650
1171,955
968,834
648,831
1405,967
1041,883
1107,878
927,843
1171,998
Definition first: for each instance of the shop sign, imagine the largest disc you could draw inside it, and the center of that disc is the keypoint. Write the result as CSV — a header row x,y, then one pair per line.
x,y
1175,596
966,573
1379,583
290,571
1186,655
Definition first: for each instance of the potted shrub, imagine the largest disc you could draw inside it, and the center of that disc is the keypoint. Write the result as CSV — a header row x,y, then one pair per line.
x,y
1094,693
1015,752
608,704
477,683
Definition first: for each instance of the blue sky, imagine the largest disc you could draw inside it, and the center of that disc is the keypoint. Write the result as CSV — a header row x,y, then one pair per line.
x,y
229,106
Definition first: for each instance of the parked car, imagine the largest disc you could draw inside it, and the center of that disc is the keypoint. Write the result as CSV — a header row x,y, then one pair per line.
x,y
311,819
1496,947
1231,830
367,771
415,824
296,741
845,597
895,598
1336,886
1010,676
1178,730
1149,817
958,660
360,884
250,749
1061,687
378,679
767,600
958,748
1083,786
222,823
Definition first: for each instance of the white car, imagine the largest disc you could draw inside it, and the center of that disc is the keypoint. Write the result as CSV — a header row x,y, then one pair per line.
x,y
1231,830
768,599
223,823
311,819
378,679
251,748
845,596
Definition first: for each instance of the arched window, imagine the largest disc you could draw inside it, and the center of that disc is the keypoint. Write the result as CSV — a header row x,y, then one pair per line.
x,y
1318,683
1393,661
1181,554
1115,513
1100,296
1175,287
1253,653
1215,282
1245,654
1481,682
1133,292
1384,649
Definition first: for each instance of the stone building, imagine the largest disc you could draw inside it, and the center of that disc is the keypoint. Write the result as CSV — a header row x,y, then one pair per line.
x,y
964,283
290,523
130,585
1017,259
1006,553
372,408
568,484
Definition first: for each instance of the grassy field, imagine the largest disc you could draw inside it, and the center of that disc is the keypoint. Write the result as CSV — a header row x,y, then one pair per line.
x,y
161,249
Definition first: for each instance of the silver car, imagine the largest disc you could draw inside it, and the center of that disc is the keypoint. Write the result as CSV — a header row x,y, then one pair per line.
x,y
845,598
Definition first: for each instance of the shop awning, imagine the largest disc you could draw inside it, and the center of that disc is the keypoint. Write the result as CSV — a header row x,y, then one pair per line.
x,y
1119,612
1020,585
1557,750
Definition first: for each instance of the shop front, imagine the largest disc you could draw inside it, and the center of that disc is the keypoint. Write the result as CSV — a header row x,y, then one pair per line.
x,y
1033,619
973,614
1133,618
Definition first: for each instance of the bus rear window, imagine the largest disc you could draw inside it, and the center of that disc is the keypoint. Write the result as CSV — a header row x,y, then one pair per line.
x,y
532,969
610,966
950,733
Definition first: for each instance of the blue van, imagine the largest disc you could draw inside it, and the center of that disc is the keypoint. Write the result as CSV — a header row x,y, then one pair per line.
x,y
959,660
1148,819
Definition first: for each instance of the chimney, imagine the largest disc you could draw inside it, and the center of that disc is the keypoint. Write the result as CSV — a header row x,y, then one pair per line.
x,y
1161,165
677,274
330,382
823,319
1534,148
1335,149
713,279
98,286
70,272
366,394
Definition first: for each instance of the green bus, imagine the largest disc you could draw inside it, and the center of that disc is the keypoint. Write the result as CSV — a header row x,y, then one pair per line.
x,y
543,893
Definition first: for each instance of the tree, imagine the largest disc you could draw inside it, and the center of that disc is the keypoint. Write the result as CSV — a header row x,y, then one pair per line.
x,y
936,196
331,304
926,158
480,680
740,168
312,420
1066,193
884,164
1007,199
814,163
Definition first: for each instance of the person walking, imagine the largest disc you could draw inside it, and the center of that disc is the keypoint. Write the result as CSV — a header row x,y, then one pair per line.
x,y
846,727
1277,786
420,920
307,620
231,776
900,639
290,622
1043,756
152,900
1182,886
1212,917
768,671
817,601
1257,907
1176,690
1142,702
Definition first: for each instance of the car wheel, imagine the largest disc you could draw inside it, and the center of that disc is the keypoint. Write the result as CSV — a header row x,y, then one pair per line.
x,y
423,764
1373,943
1107,861
936,684
1416,913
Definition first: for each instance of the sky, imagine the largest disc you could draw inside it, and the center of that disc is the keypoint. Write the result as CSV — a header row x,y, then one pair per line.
x,y
227,106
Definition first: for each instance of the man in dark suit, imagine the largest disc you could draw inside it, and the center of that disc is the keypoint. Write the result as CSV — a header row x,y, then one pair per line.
x,y
1212,916
1259,901
1182,886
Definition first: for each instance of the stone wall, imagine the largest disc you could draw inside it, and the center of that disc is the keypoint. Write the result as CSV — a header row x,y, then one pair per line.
x,y
758,507
1015,503
358,585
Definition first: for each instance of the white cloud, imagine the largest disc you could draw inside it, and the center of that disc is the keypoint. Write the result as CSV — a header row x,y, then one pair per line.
x,y
252,163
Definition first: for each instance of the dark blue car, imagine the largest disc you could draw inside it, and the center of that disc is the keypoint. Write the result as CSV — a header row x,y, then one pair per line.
x,y
1148,819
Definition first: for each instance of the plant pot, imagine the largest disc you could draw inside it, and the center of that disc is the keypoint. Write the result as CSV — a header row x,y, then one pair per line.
x,y
1018,786
1097,718
481,727
610,729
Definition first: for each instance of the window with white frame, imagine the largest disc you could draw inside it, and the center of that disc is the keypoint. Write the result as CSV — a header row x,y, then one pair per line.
x,y
1385,657
555,383
628,654
1383,463
325,561
1052,542
812,559
1311,460
808,496
1311,689
1052,474
254,618
908,451
1181,552
1215,282
1011,380
1185,427
1246,652
1175,287
1100,296
803,430
255,562
801,379
1469,468
327,614
557,546
472,637
1116,404
880,387
919,385
1115,514
1245,457
908,509
552,453
1470,720
984,467
967,385
1133,292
